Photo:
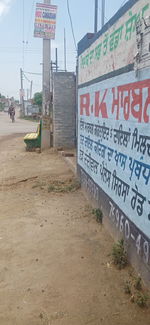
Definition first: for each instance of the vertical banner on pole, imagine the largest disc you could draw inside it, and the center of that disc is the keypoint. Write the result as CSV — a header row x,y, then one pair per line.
x,y
45,21
45,27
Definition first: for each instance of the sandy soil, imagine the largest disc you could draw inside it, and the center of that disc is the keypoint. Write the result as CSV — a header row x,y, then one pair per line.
x,y
54,256
20,125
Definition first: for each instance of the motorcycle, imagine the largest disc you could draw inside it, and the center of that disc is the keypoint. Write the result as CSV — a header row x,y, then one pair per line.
x,y
12,116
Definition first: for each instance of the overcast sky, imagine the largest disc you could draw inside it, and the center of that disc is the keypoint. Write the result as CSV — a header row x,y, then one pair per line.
x,y
12,37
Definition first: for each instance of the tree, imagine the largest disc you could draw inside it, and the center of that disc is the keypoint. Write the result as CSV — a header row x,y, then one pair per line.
x,y
37,100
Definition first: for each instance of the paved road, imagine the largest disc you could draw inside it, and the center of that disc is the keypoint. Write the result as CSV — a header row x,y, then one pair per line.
x,y
20,126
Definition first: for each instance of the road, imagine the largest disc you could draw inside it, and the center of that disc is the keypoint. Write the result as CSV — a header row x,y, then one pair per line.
x,y
20,126
55,263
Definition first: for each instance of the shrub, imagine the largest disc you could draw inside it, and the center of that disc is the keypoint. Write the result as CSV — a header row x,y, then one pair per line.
x,y
119,254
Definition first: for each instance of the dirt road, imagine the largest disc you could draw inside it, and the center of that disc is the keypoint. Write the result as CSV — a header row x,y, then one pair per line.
x,y
54,256
20,126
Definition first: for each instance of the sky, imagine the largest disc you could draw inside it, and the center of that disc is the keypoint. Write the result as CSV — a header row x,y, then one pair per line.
x,y
19,49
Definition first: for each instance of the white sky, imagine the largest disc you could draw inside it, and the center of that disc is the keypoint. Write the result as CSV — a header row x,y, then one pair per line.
x,y
13,32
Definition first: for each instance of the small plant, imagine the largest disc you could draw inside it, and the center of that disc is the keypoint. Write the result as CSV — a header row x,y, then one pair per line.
x,y
119,254
99,215
132,298
51,188
138,283
127,287
141,300
73,187
70,185
39,185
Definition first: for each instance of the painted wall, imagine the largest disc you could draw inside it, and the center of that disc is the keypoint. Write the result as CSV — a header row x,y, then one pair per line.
x,y
114,131
116,48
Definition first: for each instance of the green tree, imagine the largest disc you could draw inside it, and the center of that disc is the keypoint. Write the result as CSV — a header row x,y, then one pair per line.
x,y
37,100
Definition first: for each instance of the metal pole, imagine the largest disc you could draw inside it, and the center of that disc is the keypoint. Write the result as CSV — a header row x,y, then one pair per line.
x,y
103,13
65,55
45,139
96,16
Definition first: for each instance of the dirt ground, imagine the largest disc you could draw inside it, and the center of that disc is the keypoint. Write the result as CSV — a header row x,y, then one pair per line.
x,y
55,258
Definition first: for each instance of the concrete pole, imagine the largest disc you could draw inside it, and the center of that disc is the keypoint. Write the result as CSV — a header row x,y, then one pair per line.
x,y
56,53
103,13
96,16
65,52
22,94
31,86
45,139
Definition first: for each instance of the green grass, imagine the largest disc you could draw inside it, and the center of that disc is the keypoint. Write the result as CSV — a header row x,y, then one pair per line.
x,y
141,300
98,214
119,254
64,187
127,288
138,283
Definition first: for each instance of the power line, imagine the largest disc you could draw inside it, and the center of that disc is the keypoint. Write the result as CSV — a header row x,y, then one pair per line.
x,y
101,11
30,21
71,23
123,3
26,77
119,8
23,33
33,73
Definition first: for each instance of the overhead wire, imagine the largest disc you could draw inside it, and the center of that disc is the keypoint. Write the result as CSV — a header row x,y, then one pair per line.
x,y
123,3
26,77
119,8
34,73
23,41
71,23
104,15
30,22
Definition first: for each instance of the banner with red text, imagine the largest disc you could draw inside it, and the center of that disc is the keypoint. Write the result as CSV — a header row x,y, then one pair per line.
x,y
45,21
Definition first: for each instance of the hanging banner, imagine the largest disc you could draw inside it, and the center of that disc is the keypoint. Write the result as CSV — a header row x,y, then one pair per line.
x,y
45,21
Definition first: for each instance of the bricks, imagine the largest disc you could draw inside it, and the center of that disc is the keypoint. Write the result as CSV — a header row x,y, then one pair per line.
x,y
64,101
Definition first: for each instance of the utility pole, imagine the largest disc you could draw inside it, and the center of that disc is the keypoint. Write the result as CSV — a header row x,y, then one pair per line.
x,y
65,55
27,94
45,139
31,86
56,59
22,94
103,13
96,16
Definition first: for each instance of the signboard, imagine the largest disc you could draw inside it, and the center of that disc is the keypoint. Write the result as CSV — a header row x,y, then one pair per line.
x,y
114,150
114,49
45,21
46,123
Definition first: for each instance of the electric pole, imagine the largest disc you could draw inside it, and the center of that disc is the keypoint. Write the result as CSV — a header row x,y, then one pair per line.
x,y
96,16
56,53
103,13
31,86
27,94
22,94
45,139
65,55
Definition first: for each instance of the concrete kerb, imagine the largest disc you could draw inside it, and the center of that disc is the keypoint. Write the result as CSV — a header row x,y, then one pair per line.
x,y
70,159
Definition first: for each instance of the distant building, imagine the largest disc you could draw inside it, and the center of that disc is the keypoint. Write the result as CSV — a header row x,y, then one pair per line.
x,y
30,109
5,103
